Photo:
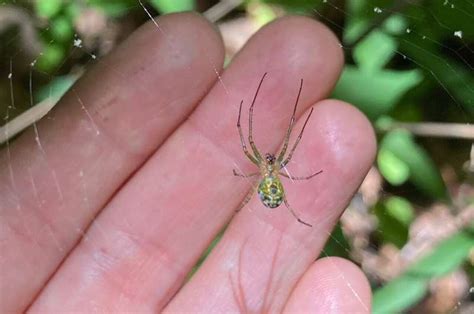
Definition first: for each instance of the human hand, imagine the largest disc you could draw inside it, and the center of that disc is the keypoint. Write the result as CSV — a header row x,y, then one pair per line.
x,y
130,178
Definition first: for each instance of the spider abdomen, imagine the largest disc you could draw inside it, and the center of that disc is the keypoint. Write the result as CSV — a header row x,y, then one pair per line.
x,y
270,191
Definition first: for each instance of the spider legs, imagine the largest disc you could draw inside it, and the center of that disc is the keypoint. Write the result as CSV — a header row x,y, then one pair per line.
x,y
281,156
294,213
287,160
300,178
242,141
249,195
251,142
256,158
290,127
244,175
247,198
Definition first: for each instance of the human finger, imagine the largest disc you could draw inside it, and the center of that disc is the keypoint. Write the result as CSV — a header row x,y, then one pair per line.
x,y
331,285
264,252
59,174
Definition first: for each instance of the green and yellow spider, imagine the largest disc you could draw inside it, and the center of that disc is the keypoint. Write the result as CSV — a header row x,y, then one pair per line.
x,y
270,190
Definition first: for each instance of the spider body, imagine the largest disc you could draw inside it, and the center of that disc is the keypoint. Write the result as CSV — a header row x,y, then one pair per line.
x,y
270,189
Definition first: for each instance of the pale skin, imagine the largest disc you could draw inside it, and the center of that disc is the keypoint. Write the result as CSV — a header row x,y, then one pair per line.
x,y
114,220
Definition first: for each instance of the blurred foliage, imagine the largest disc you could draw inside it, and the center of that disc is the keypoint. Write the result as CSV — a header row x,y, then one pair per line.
x,y
113,8
167,6
368,85
296,6
48,8
412,159
394,215
406,61
337,244
409,288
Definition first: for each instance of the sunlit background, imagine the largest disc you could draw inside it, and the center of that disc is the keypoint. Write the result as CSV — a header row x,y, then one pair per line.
x,y
409,68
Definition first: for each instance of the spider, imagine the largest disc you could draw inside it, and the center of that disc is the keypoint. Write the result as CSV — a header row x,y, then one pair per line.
x,y
270,189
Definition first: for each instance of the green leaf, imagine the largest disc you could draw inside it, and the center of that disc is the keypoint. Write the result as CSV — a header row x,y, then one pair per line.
x,y
263,13
391,230
296,6
169,6
72,10
400,208
52,55
354,30
114,8
403,292
446,257
357,22
368,86
396,24
375,51
393,169
454,79
455,16
440,53
356,7
399,294
62,29
48,8
423,172
375,93
394,216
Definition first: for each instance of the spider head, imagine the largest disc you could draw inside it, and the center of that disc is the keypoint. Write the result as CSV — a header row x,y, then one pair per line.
x,y
270,158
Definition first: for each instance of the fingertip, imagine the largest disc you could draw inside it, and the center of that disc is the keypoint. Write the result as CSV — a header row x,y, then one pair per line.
x,y
197,31
353,118
340,140
151,69
331,285
352,121
307,29
299,48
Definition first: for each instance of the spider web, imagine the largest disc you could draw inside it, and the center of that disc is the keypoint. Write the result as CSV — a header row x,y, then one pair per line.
x,y
454,58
